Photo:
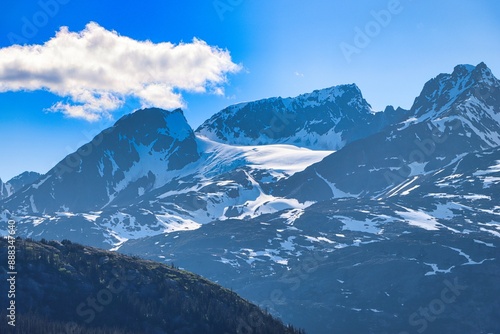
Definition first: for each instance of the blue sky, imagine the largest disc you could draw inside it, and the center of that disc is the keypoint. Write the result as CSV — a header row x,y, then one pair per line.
x,y
283,48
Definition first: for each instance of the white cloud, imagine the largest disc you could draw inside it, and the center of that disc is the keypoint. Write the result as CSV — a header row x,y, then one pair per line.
x,y
97,69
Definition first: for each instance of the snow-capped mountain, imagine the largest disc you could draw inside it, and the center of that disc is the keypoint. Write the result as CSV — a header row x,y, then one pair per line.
x,y
225,182
139,153
149,174
357,238
454,115
399,217
324,119
470,95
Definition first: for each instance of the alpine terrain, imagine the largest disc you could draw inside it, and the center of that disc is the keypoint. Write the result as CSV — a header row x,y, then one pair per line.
x,y
332,216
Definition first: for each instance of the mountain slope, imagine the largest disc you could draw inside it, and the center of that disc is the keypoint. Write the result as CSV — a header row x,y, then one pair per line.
x,y
352,265
325,119
5,190
360,265
226,182
77,286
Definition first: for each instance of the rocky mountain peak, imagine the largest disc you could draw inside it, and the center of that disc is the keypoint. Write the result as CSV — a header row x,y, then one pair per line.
x,y
139,153
145,124
441,92
323,119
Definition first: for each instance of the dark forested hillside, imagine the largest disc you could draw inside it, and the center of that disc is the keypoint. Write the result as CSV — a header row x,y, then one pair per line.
x,y
70,288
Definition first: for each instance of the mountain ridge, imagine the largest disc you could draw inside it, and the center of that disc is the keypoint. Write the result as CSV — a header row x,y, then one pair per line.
x,y
412,201
323,119
414,147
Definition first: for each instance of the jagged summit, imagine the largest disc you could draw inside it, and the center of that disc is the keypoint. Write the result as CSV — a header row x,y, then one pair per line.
x,y
330,94
468,98
483,73
442,91
323,119
327,94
